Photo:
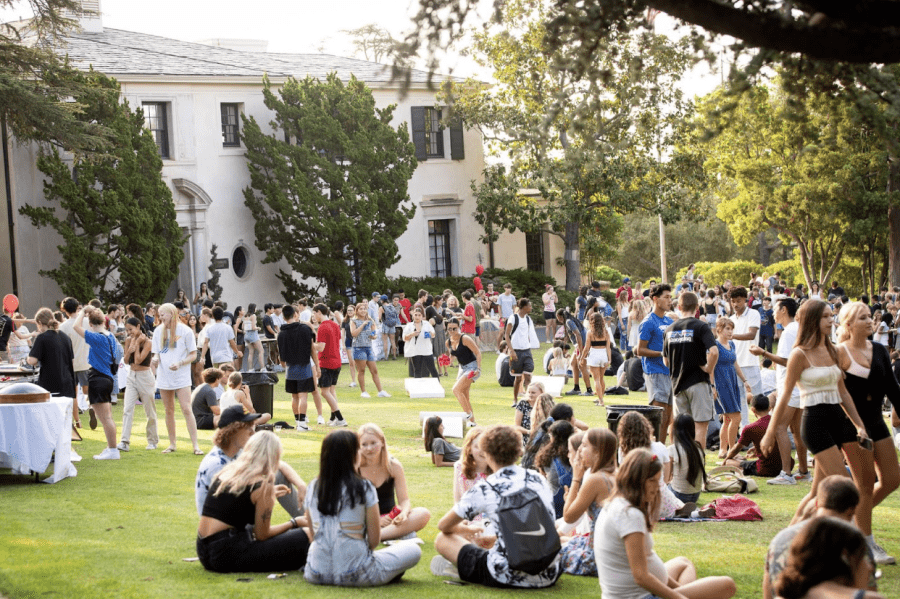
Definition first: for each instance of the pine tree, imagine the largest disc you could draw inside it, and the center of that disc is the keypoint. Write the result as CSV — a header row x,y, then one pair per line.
x,y
116,216
212,285
331,201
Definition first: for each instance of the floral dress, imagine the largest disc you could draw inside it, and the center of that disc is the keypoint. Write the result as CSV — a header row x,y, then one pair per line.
x,y
525,407
577,555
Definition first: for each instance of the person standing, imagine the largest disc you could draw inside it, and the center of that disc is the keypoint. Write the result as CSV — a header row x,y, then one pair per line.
x,y
141,384
726,386
417,337
549,299
468,320
328,339
363,329
53,351
746,333
295,346
220,341
465,350
691,353
102,358
69,307
650,347
520,338
507,303
389,326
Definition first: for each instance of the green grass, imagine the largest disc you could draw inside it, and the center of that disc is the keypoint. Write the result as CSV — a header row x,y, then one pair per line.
x,y
121,529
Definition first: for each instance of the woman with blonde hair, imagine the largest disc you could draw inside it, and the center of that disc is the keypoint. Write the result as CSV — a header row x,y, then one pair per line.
x,y
398,518
174,350
242,496
636,316
869,378
471,466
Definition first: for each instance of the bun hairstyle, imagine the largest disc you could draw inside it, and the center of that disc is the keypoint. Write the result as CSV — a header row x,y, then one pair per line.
x,y
45,318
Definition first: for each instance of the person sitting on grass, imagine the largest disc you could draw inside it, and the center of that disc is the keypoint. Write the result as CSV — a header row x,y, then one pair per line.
x,y
238,394
443,453
553,462
766,465
591,484
344,524
398,518
241,497
838,498
827,560
471,467
540,437
485,561
688,473
524,408
627,565
204,402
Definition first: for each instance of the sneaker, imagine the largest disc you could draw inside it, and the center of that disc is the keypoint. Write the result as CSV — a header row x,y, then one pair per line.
x,y
588,393
471,424
880,555
320,420
365,395
93,419
337,423
782,479
383,393
123,446
108,454
302,426
441,566
575,391
803,477
151,446
352,385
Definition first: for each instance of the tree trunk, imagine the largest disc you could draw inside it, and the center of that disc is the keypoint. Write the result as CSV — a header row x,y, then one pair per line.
x,y
573,259
894,222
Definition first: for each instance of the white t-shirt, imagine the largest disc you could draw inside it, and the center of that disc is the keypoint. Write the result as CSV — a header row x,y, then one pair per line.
x,y
79,346
305,316
617,520
881,333
219,334
418,346
177,351
680,481
785,345
507,303
743,324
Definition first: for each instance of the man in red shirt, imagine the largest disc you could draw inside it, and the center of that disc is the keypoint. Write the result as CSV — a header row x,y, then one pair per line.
x,y
405,315
467,322
767,466
329,345
626,286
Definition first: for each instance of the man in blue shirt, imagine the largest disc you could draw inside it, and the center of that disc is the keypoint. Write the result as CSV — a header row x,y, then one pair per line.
x,y
766,324
652,336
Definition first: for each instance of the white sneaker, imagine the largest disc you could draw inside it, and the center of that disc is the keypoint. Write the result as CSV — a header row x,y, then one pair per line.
x,y
352,385
441,566
110,453
881,556
337,423
320,420
74,457
782,479
302,426
365,395
123,446
151,446
383,393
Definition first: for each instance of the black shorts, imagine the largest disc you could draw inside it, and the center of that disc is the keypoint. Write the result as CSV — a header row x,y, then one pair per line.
x,y
523,363
304,386
471,563
204,422
826,425
329,377
100,387
749,467
549,315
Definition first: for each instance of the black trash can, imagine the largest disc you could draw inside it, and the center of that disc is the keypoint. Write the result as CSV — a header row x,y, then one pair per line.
x,y
261,390
652,413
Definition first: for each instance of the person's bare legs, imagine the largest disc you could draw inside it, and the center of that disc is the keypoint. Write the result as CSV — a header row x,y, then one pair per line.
x,y
104,415
168,399
666,420
352,363
700,430
711,587
681,570
517,386
802,466
184,398
331,397
449,545
361,375
828,462
373,368
417,520
317,399
461,391
599,386
298,403
729,433
784,446
888,470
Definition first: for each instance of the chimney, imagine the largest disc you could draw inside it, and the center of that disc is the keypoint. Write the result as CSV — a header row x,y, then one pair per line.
x,y
89,17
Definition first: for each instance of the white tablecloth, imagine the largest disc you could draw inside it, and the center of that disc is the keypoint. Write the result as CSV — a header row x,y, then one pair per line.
x,y
30,433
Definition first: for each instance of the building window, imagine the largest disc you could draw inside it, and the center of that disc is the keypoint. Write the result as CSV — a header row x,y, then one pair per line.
x,y
156,119
534,251
240,260
231,125
428,134
439,247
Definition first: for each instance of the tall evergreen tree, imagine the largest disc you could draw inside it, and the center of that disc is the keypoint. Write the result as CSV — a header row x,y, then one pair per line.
x,y
116,216
328,187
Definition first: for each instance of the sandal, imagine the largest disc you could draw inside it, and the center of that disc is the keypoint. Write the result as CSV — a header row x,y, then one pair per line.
x,y
168,450
198,452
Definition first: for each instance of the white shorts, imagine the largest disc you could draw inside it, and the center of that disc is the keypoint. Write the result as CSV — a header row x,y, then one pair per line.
x,y
597,357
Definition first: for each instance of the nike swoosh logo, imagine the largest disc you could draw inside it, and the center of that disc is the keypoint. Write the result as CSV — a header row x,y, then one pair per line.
x,y
534,533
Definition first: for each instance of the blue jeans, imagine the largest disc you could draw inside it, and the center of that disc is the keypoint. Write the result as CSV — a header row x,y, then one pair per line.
x,y
685,497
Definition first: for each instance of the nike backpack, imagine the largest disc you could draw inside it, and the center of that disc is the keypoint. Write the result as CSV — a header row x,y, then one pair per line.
x,y
528,531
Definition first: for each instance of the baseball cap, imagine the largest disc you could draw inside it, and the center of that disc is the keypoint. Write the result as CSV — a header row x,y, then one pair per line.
x,y
626,280
384,298
236,414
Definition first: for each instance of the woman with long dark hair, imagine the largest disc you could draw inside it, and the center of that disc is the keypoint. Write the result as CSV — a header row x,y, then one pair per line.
x,y
443,452
141,384
830,424
599,352
237,324
342,509
465,349
251,340
688,473
242,496
553,461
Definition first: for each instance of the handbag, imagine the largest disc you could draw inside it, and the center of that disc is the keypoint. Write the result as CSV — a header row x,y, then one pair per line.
x,y
728,479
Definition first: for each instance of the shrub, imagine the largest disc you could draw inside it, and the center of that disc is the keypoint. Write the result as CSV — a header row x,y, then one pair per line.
x,y
715,273
524,282
608,273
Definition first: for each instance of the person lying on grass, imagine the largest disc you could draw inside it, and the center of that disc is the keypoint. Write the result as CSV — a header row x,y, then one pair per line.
x,y
443,453
398,518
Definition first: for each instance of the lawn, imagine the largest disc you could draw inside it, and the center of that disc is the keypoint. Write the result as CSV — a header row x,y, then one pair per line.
x,y
122,529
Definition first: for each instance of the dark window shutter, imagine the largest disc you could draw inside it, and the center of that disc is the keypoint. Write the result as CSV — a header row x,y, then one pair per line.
x,y
457,151
418,132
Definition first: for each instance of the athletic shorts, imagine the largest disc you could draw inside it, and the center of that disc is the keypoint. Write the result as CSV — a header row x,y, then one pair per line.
x,y
696,400
100,388
329,377
549,315
471,563
524,362
301,386
659,387
825,425
81,378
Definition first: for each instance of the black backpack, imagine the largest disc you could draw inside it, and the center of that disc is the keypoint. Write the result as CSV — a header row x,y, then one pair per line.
x,y
528,531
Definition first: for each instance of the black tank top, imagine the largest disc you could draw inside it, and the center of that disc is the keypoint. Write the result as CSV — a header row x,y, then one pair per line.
x,y
709,308
462,353
386,496
234,510
600,343
145,362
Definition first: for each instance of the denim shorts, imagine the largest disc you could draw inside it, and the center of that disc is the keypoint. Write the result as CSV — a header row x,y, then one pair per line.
x,y
363,353
685,497
465,369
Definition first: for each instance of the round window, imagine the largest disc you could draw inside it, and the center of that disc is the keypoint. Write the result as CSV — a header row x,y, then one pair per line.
x,y
239,261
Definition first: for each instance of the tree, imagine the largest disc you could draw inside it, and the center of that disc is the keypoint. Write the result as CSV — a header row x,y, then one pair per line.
x,y
212,284
372,42
590,148
36,91
803,166
332,201
116,216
